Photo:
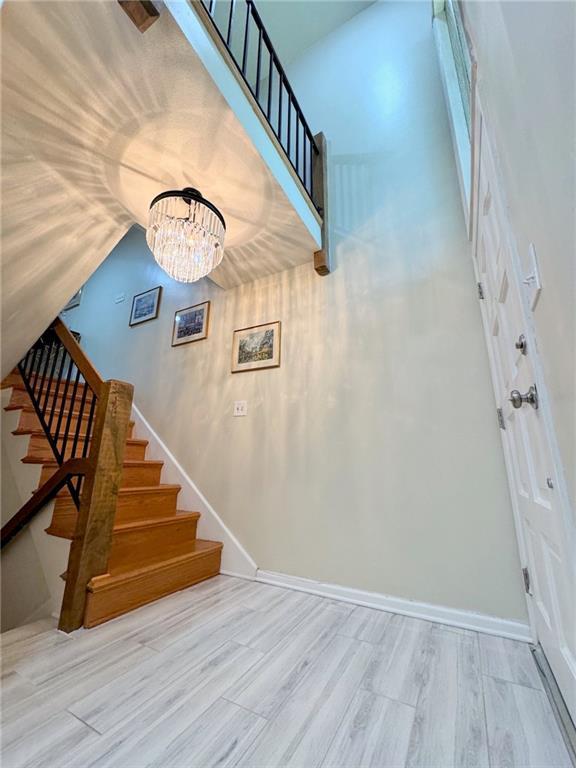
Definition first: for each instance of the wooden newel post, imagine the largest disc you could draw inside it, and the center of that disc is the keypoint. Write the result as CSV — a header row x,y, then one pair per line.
x,y
90,548
322,263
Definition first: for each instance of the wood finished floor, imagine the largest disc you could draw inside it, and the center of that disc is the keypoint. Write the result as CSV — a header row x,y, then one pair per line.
x,y
235,673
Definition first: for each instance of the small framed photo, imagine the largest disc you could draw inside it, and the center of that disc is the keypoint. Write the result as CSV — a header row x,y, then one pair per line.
x,y
256,347
74,301
191,324
145,306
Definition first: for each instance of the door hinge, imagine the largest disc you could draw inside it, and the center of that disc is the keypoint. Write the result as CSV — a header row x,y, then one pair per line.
x,y
526,576
480,291
501,422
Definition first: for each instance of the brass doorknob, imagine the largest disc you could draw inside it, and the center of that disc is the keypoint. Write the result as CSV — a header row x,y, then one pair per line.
x,y
518,399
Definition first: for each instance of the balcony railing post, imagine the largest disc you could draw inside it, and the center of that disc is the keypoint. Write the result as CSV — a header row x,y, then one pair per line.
x,y
90,548
319,183
270,74
258,64
230,18
246,39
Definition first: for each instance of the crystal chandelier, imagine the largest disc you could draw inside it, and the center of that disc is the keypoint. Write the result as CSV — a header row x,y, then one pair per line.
x,y
185,234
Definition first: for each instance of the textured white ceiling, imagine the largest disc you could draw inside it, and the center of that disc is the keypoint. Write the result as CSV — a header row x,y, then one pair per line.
x,y
97,119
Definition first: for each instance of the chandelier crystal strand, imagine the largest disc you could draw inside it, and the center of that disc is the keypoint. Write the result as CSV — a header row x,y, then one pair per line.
x,y
186,236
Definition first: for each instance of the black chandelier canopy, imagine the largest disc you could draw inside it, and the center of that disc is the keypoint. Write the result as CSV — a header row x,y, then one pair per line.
x,y
188,194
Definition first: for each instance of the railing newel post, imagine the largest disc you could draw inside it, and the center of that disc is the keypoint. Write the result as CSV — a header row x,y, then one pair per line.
x,y
90,548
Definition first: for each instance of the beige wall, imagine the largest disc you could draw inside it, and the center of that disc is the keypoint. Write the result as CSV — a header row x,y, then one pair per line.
x,y
526,54
371,458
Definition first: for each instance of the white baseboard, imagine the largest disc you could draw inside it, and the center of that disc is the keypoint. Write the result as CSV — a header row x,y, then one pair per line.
x,y
210,526
453,617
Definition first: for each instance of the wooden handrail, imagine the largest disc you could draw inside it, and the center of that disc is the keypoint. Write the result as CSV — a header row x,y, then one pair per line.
x,y
46,491
84,365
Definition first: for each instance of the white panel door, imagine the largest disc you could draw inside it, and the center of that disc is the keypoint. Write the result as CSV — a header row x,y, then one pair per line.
x,y
544,526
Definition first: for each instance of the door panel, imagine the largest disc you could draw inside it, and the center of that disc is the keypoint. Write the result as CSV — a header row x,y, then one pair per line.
x,y
545,537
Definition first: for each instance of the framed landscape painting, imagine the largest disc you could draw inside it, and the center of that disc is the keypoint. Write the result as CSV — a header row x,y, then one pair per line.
x,y
145,306
256,347
191,324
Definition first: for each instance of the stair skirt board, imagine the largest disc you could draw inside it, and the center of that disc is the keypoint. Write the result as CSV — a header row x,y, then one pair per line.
x,y
452,617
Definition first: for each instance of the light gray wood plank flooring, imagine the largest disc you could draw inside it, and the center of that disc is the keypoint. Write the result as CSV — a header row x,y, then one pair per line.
x,y
240,674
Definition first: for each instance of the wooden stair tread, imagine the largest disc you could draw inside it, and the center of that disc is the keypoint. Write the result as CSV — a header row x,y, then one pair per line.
x,y
137,489
198,549
12,380
81,436
48,381
29,408
31,459
156,522
126,463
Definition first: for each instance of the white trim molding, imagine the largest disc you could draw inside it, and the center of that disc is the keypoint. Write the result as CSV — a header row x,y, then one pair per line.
x,y
456,118
452,617
235,559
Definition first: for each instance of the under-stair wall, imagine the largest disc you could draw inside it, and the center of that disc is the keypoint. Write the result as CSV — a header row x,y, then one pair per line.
x,y
32,564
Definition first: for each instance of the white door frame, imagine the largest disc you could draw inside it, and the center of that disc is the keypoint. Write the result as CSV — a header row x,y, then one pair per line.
x,y
557,476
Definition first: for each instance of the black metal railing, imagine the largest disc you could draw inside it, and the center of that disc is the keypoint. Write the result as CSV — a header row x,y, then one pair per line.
x,y
63,400
242,31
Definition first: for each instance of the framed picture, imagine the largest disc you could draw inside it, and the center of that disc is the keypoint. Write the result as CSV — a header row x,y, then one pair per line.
x,y
145,306
191,324
256,347
74,301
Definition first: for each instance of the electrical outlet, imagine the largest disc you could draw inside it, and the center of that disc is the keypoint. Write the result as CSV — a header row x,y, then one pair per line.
x,y
240,408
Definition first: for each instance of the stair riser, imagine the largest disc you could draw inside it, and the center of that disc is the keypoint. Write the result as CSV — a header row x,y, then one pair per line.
x,y
29,421
20,397
39,447
51,385
134,548
105,604
130,507
132,477
131,547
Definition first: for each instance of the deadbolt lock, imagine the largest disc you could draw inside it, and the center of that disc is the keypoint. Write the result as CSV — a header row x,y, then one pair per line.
x,y
531,397
521,344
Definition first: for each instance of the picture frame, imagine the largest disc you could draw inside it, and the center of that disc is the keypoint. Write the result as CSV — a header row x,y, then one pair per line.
x,y
74,301
145,306
256,347
191,324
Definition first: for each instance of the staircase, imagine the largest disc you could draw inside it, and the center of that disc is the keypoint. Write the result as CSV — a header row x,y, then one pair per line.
x,y
153,549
